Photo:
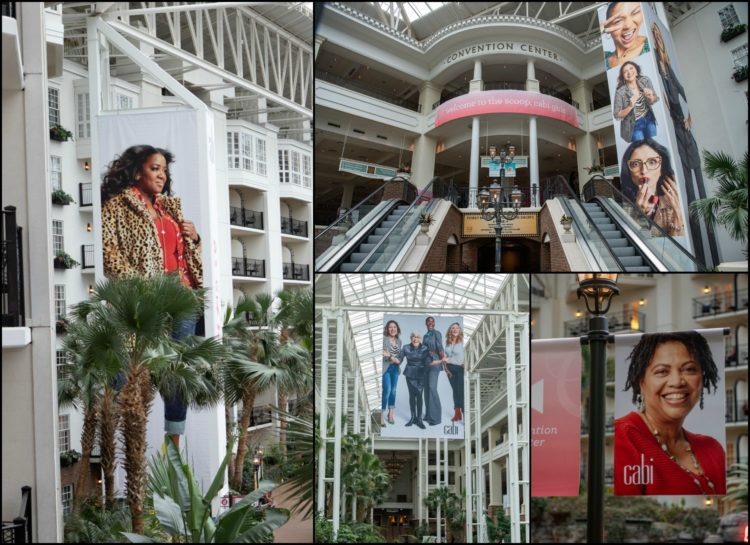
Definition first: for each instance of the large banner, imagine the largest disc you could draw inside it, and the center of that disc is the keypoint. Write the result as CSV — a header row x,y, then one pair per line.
x,y
423,376
669,414
657,153
555,417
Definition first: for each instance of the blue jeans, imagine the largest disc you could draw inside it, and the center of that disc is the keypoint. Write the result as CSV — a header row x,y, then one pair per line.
x,y
390,380
645,127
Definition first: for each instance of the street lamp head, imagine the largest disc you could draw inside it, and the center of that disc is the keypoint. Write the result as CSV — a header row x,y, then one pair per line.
x,y
511,152
484,198
515,198
492,151
597,290
256,460
495,190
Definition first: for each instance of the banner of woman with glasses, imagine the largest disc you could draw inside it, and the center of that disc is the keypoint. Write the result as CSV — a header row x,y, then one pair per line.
x,y
658,156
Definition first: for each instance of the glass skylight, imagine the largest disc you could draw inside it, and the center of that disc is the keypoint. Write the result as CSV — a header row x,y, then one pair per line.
x,y
413,10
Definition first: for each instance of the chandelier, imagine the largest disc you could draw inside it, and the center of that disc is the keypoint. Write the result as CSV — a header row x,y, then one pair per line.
x,y
393,466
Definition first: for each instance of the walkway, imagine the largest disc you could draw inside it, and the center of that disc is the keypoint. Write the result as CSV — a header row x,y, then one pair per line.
x,y
295,530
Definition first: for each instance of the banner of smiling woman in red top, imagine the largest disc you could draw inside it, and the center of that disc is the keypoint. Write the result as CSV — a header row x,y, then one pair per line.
x,y
669,410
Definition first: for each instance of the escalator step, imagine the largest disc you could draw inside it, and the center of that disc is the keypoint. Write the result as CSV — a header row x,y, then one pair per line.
x,y
357,257
623,251
388,223
598,215
374,239
381,231
612,234
640,269
606,227
618,242
633,261
369,247
348,267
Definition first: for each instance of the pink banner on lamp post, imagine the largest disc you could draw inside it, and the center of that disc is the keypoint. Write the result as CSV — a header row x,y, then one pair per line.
x,y
509,102
555,417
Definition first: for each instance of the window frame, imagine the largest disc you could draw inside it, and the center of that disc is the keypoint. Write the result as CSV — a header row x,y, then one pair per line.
x,y
67,493
63,432
60,302
55,172
740,61
83,115
53,109
728,17
58,236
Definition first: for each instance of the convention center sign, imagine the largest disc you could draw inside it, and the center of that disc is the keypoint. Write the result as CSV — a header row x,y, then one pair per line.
x,y
555,417
669,414
660,166
525,225
506,102
423,376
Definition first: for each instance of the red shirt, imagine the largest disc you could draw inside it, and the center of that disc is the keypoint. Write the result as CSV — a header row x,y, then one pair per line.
x,y
643,468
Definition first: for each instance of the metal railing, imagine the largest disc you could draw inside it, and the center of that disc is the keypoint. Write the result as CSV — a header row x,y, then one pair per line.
x,y
365,89
9,9
84,194
737,412
259,416
291,226
509,86
244,217
464,197
720,303
242,266
87,256
19,530
296,271
736,355
618,321
12,271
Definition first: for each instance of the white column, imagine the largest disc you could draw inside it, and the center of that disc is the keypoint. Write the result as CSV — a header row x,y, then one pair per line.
x,y
533,162
530,72
356,432
437,483
474,165
524,348
323,411
513,496
469,489
318,42
337,422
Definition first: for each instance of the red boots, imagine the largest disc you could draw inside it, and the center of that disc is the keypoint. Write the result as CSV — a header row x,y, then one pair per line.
x,y
457,416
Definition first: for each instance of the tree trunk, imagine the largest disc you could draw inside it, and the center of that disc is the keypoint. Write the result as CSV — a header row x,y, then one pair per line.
x,y
230,431
107,430
248,400
88,437
282,423
134,410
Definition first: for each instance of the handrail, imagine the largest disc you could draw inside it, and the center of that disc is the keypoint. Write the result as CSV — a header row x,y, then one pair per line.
x,y
566,186
398,222
395,178
651,223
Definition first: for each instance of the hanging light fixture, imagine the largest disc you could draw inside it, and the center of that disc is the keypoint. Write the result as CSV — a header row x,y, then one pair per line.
x,y
88,227
578,313
706,290
642,302
86,166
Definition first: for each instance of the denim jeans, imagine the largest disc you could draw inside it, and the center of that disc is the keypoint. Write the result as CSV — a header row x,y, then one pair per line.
x,y
457,385
645,127
390,380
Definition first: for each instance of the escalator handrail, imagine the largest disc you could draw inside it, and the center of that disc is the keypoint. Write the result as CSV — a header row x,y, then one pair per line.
x,y
360,203
699,265
592,223
419,197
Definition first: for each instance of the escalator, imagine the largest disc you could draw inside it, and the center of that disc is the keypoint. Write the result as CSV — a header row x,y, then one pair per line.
x,y
619,244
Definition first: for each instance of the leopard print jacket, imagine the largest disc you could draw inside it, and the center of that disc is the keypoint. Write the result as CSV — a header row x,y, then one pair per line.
x,y
131,241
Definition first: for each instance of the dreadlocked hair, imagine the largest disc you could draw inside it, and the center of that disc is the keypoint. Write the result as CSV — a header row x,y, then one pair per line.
x,y
643,352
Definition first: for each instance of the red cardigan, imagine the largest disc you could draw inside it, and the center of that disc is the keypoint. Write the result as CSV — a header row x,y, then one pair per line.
x,y
643,468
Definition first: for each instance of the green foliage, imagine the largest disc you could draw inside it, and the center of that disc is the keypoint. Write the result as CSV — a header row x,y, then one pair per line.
x,y
59,133
737,486
729,33
60,197
349,532
425,218
499,529
97,525
69,457
64,261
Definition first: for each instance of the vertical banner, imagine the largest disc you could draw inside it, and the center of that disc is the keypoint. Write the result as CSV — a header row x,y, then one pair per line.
x,y
647,151
555,417
669,414
423,376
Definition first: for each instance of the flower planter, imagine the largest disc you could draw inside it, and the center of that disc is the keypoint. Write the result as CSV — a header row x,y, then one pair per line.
x,y
59,133
424,227
61,326
733,32
60,198
740,74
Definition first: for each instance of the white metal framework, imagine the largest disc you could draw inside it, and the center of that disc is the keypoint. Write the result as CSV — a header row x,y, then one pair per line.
x,y
349,322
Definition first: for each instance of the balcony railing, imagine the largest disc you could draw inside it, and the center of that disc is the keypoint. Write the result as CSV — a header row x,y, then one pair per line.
x,y
19,530
295,271
737,412
9,10
84,194
720,303
618,321
260,415
291,226
87,256
736,355
12,271
242,266
244,217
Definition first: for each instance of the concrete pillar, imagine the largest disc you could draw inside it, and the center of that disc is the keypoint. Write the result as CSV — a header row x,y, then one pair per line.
x,y
586,146
474,165
318,42
423,160
533,162
532,84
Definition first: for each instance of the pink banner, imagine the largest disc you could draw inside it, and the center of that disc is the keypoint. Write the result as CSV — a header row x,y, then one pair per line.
x,y
506,102
555,417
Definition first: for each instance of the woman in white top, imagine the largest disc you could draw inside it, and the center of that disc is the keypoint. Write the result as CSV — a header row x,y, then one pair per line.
x,y
454,367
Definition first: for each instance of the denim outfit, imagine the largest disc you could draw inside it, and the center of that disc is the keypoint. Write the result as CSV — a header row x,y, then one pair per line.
x,y
417,362
390,374
455,352
433,340
631,129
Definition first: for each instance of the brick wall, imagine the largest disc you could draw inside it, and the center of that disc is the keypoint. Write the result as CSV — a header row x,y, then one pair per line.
x,y
439,258
553,258
396,190
69,475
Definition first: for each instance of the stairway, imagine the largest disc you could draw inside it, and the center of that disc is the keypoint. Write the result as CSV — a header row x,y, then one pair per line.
x,y
374,237
617,241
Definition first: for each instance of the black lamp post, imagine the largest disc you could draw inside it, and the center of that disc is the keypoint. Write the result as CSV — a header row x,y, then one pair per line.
x,y
597,290
491,199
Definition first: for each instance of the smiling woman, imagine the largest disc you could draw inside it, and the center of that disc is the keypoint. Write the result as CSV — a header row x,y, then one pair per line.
x,y
623,25
654,454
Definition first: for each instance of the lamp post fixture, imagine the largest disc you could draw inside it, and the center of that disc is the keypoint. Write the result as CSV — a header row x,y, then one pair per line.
x,y
597,290
258,464
491,198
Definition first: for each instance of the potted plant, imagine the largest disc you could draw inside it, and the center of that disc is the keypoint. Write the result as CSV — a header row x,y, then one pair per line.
x,y
740,74
729,33
61,198
59,133
596,167
69,457
61,325
64,261
425,220
566,222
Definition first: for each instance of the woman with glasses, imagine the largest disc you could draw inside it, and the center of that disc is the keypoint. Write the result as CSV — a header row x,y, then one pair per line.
x,y
632,106
648,180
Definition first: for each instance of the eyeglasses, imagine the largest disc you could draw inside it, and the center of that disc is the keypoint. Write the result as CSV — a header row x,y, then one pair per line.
x,y
651,163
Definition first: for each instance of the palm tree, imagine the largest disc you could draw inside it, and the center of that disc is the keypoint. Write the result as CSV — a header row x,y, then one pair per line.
x,y
297,313
300,438
737,487
728,207
450,507
138,316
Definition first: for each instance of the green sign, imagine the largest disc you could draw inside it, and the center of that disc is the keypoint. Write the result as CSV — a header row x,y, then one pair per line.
x,y
368,170
612,171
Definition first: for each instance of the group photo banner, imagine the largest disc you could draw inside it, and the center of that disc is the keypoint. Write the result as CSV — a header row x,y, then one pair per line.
x,y
669,413
555,417
423,376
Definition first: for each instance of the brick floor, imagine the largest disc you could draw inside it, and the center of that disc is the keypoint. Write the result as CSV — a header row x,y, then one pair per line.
x,y
295,530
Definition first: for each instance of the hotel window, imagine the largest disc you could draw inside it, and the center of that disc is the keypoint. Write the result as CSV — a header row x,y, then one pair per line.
x,y
260,156
284,166
83,115
63,432
296,170
67,498
739,56
55,172
123,102
53,100
233,149
58,239
63,367
247,152
728,17
306,170
60,301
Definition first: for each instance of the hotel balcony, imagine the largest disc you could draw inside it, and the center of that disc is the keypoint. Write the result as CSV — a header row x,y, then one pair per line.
x,y
12,273
244,217
296,271
736,355
87,256
736,412
721,309
249,268
291,226
618,322
84,194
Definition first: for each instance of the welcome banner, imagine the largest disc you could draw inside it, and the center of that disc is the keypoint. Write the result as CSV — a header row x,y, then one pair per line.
x,y
669,413
555,417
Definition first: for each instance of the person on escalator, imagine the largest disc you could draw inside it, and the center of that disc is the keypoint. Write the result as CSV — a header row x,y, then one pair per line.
x,y
649,181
